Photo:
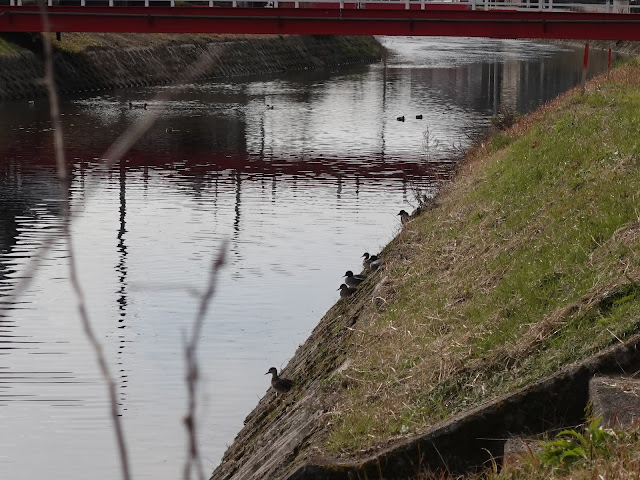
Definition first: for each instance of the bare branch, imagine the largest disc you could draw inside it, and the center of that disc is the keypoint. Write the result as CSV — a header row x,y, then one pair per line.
x,y
113,155
63,178
193,456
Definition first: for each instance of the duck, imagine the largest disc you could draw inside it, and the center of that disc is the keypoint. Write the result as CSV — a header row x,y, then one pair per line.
x,y
280,385
400,119
419,117
353,280
404,217
345,291
376,264
373,262
134,105
367,259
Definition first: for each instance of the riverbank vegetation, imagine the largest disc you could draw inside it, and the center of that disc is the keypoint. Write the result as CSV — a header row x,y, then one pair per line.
x,y
530,261
81,42
7,47
594,452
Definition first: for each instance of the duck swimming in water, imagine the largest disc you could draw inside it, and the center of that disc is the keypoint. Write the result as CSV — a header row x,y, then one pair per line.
x,y
280,385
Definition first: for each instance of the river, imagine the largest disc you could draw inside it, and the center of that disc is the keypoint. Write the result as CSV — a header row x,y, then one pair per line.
x,y
301,173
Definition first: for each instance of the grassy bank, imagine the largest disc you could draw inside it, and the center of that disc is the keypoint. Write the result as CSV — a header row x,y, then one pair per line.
x,y
7,47
81,42
530,261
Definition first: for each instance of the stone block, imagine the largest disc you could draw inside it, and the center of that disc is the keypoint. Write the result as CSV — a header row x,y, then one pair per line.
x,y
616,400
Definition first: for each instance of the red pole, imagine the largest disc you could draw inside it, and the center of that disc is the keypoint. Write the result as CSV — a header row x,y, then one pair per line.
x,y
586,54
584,65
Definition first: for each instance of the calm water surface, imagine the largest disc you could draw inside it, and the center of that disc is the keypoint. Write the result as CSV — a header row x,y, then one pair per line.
x,y
301,173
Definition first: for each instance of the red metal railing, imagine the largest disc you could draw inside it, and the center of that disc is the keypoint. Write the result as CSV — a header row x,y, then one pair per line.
x,y
475,18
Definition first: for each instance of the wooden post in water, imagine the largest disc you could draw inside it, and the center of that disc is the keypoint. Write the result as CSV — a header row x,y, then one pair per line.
x,y
584,66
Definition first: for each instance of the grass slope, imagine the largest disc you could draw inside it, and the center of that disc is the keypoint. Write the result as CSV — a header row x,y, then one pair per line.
x,y
79,42
530,261
7,47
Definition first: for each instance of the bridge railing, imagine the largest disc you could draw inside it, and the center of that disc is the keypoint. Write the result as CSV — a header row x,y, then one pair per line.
x,y
601,6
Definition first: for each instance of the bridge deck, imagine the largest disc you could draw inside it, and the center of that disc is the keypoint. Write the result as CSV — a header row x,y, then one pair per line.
x,y
468,19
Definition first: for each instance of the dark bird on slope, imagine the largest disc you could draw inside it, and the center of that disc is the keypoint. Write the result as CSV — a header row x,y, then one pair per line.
x,y
367,259
353,280
345,291
404,217
280,385
371,262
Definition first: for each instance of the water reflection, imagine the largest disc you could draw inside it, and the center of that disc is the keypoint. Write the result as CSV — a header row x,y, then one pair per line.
x,y
303,173
121,269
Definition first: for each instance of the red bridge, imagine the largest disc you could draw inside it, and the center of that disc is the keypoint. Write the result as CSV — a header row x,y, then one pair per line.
x,y
618,20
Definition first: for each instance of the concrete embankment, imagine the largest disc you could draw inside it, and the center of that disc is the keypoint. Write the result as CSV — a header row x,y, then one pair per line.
x,y
106,66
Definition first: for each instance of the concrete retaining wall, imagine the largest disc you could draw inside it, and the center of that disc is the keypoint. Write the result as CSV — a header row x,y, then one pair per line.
x,y
104,68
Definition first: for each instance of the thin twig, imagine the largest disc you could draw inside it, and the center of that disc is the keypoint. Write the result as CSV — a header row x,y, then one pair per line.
x,y
63,178
193,456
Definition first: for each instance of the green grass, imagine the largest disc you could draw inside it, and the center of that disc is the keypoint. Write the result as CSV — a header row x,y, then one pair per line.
x,y
591,453
531,261
74,43
7,48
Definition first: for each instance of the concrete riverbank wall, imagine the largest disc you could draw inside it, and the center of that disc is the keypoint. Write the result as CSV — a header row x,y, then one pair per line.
x,y
104,67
